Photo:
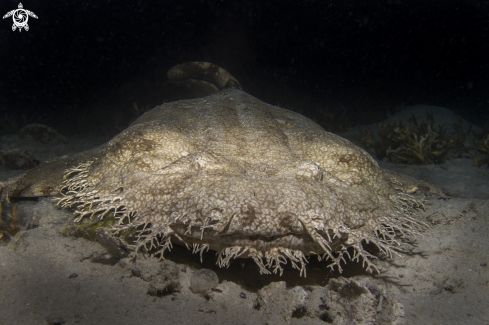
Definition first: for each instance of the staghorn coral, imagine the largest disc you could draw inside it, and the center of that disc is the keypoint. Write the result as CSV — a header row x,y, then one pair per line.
x,y
419,145
416,143
230,173
482,145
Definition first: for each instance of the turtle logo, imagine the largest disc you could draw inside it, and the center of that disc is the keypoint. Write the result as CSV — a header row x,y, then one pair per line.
x,y
20,17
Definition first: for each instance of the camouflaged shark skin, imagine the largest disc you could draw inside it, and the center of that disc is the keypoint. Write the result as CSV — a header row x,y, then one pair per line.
x,y
233,174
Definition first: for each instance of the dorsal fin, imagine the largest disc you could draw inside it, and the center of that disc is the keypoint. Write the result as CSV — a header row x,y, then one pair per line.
x,y
202,78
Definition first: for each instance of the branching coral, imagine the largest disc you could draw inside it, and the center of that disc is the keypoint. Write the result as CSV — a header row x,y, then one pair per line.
x,y
482,145
419,144
416,143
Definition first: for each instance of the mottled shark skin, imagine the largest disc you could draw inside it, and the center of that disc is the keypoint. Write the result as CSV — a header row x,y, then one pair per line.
x,y
233,174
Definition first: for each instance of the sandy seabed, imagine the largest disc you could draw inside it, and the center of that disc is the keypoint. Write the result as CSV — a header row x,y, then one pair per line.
x,y
50,278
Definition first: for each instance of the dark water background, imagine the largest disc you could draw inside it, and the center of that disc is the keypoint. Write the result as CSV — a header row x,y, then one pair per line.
x,y
84,65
